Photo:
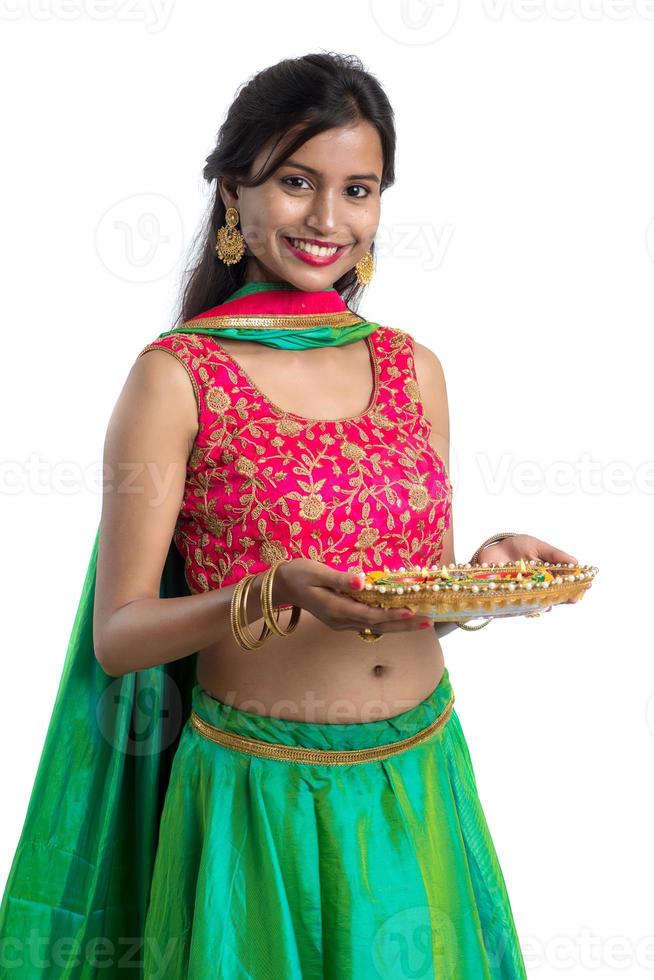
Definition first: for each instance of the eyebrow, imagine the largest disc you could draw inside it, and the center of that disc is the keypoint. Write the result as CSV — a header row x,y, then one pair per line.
x,y
312,170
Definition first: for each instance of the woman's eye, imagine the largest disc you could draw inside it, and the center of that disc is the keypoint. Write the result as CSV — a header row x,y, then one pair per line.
x,y
284,179
361,188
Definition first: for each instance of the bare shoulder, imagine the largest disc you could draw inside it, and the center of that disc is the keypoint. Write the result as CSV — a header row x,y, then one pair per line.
x,y
433,389
429,368
168,384
433,395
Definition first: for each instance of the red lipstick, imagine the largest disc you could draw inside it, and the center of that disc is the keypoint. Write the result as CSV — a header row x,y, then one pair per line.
x,y
315,259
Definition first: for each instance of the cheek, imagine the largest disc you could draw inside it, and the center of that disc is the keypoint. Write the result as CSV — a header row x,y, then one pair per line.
x,y
273,212
367,223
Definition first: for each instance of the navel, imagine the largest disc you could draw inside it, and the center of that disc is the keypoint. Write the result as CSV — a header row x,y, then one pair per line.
x,y
378,669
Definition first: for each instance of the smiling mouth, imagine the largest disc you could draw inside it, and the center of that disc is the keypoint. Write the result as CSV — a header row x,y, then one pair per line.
x,y
311,247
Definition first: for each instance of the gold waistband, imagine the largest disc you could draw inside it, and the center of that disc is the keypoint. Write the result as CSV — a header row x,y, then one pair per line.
x,y
322,757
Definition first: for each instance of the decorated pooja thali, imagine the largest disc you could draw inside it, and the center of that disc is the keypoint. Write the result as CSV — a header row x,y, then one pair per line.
x,y
465,591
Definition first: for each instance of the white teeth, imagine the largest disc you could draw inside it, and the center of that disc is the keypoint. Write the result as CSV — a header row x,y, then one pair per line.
x,y
319,250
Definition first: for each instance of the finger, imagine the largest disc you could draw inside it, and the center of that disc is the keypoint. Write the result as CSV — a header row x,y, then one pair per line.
x,y
547,552
373,617
344,582
352,611
353,581
417,624
409,618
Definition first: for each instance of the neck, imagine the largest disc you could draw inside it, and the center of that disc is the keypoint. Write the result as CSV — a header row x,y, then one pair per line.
x,y
257,274
255,286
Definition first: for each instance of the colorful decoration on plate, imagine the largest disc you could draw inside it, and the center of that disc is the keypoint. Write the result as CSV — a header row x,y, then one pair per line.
x,y
524,587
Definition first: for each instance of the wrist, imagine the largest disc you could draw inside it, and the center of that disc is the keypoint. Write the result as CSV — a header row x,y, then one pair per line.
x,y
444,626
280,590
494,539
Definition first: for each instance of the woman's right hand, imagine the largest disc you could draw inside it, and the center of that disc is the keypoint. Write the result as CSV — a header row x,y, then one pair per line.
x,y
314,586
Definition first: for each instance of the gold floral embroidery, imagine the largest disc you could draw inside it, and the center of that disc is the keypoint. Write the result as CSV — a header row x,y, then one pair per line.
x,y
272,551
352,451
245,466
217,400
196,456
366,492
418,497
288,427
311,507
411,390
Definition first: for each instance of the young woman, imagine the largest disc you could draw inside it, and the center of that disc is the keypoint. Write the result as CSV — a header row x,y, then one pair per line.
x,y
315,811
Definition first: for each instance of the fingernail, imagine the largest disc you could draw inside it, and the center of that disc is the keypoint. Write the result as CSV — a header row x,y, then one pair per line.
x,y
424,626
354,582
407,614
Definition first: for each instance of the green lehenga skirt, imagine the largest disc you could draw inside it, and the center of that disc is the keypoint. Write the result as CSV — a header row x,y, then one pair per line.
x,y
291,849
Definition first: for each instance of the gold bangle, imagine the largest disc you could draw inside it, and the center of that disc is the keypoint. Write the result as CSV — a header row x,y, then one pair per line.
x,y
238,613
267,604
233,612
462,626
234,615
265,596
494,539
243,618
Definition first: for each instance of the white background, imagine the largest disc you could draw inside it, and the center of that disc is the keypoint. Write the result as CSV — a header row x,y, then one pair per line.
x,y
517,243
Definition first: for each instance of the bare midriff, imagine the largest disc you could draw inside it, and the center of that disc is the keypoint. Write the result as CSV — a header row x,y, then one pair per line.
x,y
323,675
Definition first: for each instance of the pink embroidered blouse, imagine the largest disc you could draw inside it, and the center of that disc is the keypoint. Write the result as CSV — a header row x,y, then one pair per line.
x,y
262,483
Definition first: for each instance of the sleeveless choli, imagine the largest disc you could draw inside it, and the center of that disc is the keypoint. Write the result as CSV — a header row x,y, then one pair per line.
x,y
263,483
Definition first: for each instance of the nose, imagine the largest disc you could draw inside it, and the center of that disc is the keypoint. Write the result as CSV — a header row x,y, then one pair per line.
x,y
323,212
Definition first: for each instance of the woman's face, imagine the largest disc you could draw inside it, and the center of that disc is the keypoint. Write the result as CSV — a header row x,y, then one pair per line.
x,y
327,192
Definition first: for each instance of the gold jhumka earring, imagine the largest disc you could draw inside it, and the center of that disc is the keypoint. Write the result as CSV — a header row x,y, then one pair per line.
x,y
230,244
364,269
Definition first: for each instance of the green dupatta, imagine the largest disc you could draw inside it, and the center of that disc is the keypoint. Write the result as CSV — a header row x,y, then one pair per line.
x,y
75,899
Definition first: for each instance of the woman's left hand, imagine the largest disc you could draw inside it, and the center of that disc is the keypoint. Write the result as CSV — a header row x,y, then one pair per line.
x,y
524,546
527,547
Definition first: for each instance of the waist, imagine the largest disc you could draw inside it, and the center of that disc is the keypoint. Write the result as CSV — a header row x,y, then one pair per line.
x,y
269,736
318,675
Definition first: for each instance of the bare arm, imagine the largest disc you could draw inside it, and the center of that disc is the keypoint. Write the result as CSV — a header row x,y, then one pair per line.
x,y
433,393
148,442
